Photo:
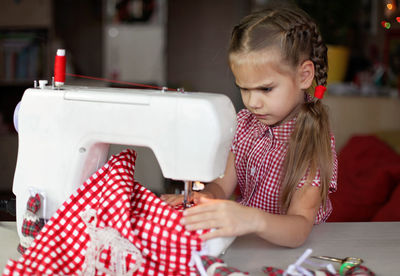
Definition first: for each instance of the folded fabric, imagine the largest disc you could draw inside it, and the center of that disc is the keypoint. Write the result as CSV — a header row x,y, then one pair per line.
x,y
213,266
111,225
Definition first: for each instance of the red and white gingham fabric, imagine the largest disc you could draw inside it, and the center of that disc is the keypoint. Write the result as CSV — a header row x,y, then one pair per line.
x,y
259,154
122,204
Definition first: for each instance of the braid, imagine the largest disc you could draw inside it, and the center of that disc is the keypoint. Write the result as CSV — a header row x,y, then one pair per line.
x,y
320,59
298,43
310,145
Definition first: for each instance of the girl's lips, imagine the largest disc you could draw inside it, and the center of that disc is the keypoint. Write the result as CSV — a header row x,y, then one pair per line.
x,y
260,116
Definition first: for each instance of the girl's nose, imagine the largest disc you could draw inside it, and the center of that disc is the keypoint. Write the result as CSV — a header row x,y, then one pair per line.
x,y
254,100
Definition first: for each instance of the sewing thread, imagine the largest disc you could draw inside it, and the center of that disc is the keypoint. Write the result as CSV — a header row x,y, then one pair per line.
x,y
59,68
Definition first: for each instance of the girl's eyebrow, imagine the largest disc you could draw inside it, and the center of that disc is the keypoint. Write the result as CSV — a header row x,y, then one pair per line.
x,y
259,87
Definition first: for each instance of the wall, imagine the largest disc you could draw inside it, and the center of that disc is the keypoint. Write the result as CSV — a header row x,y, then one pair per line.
x,y
78,28
361,115
134,48
198,36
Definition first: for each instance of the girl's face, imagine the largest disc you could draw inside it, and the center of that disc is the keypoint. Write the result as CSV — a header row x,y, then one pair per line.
x,y
271,89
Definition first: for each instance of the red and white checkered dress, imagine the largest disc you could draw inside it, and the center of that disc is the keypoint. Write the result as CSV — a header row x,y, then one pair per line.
x,y
259,154
128,217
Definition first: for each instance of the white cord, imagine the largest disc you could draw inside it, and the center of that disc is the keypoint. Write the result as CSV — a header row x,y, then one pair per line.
x,y
199,264
295,268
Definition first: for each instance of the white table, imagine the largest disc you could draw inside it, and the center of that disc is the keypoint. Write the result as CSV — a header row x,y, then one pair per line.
x,y
8,243
378,243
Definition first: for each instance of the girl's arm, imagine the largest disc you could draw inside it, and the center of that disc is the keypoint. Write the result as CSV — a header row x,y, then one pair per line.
x,y
293,228
220,188
232,219
223,188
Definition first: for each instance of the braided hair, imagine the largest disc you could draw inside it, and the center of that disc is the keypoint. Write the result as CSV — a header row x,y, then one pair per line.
x,y
297,36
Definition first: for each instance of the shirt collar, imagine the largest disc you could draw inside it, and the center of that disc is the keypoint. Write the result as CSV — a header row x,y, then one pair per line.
x,y
284,131
281,132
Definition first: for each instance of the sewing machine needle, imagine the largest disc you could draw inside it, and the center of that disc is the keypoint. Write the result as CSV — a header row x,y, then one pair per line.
x,y
186,194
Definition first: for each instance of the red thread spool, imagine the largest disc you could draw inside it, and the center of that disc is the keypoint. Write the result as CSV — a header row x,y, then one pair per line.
x,y
59,68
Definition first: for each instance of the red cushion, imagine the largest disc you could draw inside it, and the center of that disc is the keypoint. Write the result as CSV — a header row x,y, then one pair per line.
x,y
368,172
391,210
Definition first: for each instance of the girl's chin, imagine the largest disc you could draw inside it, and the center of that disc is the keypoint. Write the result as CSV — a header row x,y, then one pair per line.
x,y
267,121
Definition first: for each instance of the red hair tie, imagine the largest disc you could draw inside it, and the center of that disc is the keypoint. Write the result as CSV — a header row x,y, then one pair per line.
x,y
319,91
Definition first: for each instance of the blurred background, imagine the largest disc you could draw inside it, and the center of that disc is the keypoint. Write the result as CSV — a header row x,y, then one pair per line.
x,y
183,43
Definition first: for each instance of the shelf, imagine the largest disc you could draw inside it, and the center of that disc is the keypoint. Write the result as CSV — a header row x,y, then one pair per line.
x,y
23,54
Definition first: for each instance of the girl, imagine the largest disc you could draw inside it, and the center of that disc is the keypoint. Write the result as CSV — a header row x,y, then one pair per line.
x,y
283,156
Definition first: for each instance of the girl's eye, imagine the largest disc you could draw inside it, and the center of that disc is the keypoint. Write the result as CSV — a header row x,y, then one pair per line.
x,y
266,89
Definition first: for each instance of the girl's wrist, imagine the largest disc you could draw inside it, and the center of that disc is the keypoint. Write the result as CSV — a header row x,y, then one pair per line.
x,y
260,222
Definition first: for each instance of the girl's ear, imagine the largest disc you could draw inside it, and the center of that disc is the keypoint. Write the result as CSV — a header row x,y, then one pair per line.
x,y
306,74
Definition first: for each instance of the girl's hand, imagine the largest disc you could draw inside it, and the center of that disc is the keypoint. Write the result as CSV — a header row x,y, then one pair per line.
x,y
227,217
175,199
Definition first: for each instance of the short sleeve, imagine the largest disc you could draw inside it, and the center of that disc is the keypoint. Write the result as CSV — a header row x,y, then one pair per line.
x,y
317,179
242,119
324,211
234,144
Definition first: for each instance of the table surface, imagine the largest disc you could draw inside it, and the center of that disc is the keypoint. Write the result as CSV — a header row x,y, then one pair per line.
x,y
377,243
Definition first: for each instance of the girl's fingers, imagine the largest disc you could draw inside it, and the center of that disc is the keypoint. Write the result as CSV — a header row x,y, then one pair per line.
x,y
172,199
213,234
197,197
228,218
218,229
202,217
205,205
176,199
204,199
200,224
198,217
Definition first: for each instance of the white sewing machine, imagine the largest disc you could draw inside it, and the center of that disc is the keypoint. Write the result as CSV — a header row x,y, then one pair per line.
x,y
64,136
